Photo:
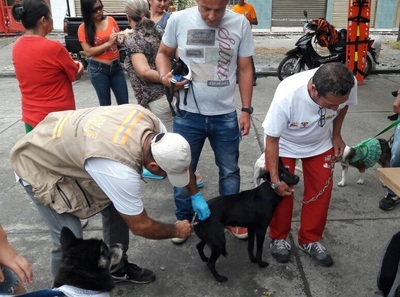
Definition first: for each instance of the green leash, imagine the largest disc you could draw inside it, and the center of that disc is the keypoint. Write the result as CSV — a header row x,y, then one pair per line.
x,y
362,144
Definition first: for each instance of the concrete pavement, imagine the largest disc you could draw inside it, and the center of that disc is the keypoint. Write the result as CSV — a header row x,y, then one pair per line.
x,y
355,235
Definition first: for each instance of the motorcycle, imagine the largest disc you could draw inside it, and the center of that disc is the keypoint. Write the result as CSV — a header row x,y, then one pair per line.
x,y
304,56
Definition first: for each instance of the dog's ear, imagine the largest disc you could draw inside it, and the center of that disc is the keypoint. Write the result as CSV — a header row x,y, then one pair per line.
x,y
286,176
105,255
116,255
67,238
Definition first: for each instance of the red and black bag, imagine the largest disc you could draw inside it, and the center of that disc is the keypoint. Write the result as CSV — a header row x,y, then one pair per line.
x,y
326,35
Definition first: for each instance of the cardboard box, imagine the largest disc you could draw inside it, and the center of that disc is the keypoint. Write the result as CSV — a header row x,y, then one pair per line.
x,y
390,177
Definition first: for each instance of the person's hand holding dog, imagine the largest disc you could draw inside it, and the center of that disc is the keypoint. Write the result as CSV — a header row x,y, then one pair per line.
x,y
184,228
10,258
338,146
200,206
166,81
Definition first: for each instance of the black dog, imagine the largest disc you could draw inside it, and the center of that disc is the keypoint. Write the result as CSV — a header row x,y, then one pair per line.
x,y
180,71
86,263
252,209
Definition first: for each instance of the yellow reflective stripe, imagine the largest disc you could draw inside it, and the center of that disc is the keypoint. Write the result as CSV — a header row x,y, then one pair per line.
x,y
125,129
60,125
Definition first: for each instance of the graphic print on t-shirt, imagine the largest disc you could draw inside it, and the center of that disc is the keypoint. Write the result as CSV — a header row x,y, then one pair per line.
x,y
211,52
99,41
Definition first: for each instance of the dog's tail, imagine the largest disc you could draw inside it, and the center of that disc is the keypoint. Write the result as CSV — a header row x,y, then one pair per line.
x,y
259,170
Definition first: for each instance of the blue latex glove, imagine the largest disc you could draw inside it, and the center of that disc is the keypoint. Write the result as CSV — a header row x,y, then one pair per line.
x,y
200,206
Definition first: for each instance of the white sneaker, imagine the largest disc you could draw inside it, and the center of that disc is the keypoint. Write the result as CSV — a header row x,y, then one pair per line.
x,y
178,240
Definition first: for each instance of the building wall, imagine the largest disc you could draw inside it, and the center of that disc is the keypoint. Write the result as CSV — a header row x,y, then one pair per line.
x,y
340,13
263,11
386,14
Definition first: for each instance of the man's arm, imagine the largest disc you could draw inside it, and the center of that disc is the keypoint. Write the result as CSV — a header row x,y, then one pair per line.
x,y
337,141
10,258
253,17
163,65
124,192
245,73
143,225
254,21
271,157
271,163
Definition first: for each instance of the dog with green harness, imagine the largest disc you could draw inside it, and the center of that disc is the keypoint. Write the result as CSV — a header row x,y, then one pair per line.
x,y
366,154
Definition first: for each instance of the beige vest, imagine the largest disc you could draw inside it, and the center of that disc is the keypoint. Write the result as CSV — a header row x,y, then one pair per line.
x,y
51,158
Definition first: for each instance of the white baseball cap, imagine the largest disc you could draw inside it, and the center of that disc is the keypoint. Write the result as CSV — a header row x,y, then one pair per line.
x,y
172,153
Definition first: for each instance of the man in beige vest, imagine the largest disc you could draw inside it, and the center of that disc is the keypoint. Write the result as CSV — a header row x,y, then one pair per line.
x,y
75,164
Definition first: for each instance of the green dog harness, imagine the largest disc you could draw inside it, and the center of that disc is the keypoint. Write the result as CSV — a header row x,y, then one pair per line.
x,y
368,152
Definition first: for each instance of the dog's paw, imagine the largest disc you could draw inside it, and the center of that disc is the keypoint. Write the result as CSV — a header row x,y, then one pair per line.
x,y
263,264
360,181
204,259
342,183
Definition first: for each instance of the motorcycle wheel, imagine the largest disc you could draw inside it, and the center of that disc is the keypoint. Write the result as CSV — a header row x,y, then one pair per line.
x,y
368,66
289,65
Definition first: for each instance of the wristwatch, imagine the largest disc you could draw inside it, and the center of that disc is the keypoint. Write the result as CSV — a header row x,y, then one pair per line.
x,y
275,185
248,109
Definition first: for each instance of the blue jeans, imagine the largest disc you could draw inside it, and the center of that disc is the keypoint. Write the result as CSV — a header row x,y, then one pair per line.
x,y
223,133
395,158
105,77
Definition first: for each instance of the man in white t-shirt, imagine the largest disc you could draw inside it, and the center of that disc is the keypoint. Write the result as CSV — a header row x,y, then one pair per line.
x,y
214,42
304,122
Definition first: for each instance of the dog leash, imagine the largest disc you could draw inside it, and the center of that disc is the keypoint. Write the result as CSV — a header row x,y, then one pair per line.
x,y
328,181
364,143
193,220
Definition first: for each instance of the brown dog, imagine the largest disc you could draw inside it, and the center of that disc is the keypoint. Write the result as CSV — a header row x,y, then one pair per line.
x,y
353,157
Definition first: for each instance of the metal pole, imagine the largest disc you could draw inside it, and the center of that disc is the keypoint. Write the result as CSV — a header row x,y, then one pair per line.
x,y
68,9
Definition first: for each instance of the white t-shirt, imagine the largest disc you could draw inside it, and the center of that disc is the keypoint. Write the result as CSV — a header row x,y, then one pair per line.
x,y
119,182
211,53
293,116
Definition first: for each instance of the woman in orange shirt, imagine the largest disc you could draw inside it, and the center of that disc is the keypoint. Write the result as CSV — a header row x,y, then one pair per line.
x,y
98,37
